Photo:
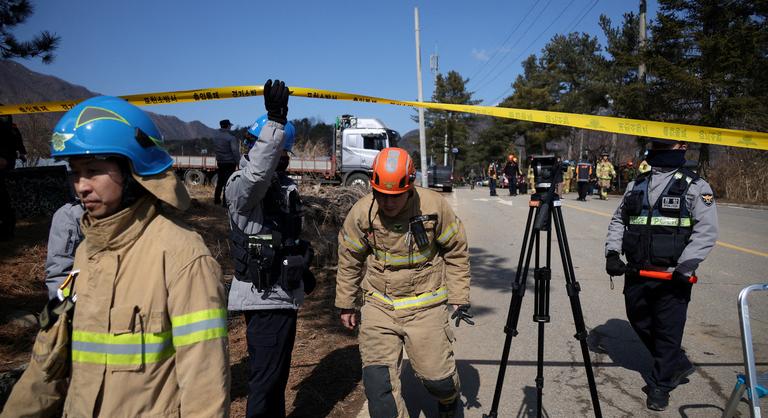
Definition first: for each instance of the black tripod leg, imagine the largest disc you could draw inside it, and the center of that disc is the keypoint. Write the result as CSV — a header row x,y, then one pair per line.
x,y
572,288
515,304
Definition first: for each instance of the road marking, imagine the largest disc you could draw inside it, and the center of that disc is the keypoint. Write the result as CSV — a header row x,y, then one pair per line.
x,y
746,250
720,243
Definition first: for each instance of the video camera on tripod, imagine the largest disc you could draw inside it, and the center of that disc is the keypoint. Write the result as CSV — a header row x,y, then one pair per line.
x,y
545,205
547,171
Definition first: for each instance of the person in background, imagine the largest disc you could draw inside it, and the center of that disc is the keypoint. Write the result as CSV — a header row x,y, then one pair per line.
x,y
63,238
493,176
11,149
583,176
511,171
605,172
227,150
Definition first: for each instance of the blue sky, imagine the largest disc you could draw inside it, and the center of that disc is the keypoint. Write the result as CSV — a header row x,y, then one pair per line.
x,y
126,47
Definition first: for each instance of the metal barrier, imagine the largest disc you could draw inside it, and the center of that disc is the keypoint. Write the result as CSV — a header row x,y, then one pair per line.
x,y
751,382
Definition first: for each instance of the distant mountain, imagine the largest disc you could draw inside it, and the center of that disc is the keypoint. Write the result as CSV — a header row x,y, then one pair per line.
x,y
18,84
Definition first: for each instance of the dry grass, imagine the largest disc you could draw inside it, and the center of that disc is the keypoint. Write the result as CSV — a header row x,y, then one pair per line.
x,y
741,176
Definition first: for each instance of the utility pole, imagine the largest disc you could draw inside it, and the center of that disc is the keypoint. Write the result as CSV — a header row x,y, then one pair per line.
x,y
422,131
642,37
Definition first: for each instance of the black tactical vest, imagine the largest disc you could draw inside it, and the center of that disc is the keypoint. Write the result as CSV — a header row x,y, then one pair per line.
x,y
657,235
275,254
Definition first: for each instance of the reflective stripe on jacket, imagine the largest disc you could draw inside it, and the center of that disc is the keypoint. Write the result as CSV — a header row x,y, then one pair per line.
x,y
149,329
398,274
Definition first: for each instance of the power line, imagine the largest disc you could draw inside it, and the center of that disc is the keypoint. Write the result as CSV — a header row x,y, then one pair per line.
x,y
570,29
514,61
506,54
485,64
594,3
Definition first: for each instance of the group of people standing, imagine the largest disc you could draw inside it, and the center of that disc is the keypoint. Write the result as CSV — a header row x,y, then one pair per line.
x,y
138,318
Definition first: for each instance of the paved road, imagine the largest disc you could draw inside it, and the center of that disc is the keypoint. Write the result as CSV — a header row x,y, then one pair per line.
x,y
495,226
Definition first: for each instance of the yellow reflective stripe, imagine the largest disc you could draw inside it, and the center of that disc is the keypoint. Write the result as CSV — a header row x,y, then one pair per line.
x,y
105,338
199,326
355,244
197,316
399,260
121,359
448,233
199,336
666,221
423,299
124,349
660,221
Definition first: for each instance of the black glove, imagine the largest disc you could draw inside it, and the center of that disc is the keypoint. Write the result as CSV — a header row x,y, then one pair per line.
x,y
276,101
678,277
613,264
462,314
309,280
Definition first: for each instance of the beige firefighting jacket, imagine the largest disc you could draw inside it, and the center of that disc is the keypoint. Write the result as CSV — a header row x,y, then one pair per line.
x,y
398,274
149,330
605,170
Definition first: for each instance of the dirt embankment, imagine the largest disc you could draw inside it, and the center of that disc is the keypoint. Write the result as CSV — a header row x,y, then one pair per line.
x,y
325,369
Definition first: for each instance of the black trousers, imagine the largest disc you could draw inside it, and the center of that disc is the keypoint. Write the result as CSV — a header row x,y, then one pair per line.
x,y
224,171
492,186
657,311
270,337
583,187
7,213
512,185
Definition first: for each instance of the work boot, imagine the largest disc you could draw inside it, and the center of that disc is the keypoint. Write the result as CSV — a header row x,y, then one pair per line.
x,y
447,410
658,400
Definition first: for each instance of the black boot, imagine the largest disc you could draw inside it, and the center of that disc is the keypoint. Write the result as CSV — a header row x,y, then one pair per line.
x,y
658,400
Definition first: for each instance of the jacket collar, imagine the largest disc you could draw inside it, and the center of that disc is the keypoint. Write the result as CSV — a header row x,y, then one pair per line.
x,y
119,230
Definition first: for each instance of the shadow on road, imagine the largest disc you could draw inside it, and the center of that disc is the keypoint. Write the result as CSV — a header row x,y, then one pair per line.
x,y
419,401
335,377
618,340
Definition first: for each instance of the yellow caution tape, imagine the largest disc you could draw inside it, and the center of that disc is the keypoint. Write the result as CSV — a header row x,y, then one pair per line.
x,y
663,130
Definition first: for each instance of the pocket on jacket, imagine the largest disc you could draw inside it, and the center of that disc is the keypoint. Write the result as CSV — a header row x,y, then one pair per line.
x,y
137,339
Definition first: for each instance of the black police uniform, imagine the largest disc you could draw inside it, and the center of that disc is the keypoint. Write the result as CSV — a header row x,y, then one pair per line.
x,y
666,222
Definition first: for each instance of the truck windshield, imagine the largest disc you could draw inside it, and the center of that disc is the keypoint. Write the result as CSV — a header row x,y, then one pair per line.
x,y
375,142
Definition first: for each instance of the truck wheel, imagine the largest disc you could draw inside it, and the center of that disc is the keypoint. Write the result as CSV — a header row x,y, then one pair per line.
x,y
214,180
194,178
359,180
448,189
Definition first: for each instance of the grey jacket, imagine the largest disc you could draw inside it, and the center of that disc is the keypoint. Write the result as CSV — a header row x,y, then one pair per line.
x,y
227,147
701,204
245,192
63,239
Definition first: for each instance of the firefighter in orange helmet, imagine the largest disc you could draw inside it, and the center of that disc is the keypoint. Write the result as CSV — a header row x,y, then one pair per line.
x,y
417,264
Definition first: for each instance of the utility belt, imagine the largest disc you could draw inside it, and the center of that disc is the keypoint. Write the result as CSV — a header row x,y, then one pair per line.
x,y
264,260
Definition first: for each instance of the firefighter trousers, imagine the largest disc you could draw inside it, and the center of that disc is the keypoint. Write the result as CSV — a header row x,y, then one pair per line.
x,y
428,340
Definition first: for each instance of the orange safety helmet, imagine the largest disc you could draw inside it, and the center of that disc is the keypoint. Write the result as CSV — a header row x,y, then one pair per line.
x,y
393,171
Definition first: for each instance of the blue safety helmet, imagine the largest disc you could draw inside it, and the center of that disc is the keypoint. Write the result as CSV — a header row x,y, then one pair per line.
x,y
255,130
107,125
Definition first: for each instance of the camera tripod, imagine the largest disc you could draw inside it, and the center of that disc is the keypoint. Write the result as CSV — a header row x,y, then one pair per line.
x,y
546,206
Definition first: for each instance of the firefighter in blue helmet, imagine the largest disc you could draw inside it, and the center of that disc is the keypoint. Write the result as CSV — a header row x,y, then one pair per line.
x,y
271,261
145,298
666,225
